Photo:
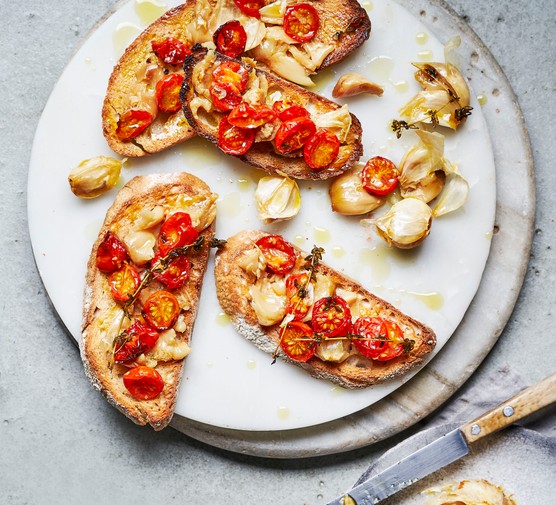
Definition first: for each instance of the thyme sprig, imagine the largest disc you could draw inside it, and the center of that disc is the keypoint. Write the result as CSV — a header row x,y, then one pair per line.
x,y
161,264
311,263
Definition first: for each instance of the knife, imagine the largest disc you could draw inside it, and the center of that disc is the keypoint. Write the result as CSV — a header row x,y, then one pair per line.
x,y
450,447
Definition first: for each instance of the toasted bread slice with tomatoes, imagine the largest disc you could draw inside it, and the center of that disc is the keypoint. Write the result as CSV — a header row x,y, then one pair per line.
x,y
136,333
344,26
260,302
265,90
132,86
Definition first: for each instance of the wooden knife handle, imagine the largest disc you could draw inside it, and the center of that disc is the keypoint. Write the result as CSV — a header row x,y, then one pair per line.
x,y
521,405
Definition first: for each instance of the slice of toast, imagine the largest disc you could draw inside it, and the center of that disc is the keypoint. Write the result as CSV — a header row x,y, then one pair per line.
x,y
264,89
344,26
132,85
135,218
239,268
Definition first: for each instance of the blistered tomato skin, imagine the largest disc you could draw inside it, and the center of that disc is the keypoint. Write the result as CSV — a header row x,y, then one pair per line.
x,y
301,22
171,51
168,93
176,231
230,39
280,256
250,7
111,253
321,149
143,383
233,140
138,339
293,134
132,123
124,282
161,310
379,176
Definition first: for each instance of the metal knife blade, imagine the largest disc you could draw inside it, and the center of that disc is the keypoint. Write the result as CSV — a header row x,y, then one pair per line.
x,y
410,469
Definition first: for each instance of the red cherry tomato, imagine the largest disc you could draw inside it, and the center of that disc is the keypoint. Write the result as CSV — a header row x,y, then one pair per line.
x,y
143,383
230,39
176,231
137,339
171,51
331,317
124,282
301,22
168,93
250,7
233,140
224,96
321,149
296,285
132,123
232,73
111,253
161,310
250,116
175,275
286,111
280,256
379,176
380,339
298,342
293,134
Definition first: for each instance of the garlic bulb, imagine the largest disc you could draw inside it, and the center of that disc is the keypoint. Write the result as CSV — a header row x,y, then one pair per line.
x,y
348,196
406,224
444,99
95,176
421,174
277,198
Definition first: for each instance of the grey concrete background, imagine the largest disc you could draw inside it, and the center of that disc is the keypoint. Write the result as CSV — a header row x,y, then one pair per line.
x,y
59,443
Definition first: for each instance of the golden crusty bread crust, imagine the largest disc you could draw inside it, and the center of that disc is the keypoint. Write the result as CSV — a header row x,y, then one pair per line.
x,y
99,307
232,288
262,154
124,86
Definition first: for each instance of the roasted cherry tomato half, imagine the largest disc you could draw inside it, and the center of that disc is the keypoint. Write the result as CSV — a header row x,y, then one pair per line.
x,y
168,93
124,282
176,231
301,22
280,256
136,340
132,123
111,253
286,111
233,140
370,335
224,96
321,149
293,134
161,310
377,338
298,342
232,73
143,382
175,275
230,38
250,116
250,7
171,51
300,295
379,176
331,317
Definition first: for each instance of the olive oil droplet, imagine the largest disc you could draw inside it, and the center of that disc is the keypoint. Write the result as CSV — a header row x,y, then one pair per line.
x,y
422,38
244,184
381,67
251,364
283,413
377,259
482,99
338,251
299,241
367,5
401,86
124,34
222,319
322,235
433,301
149,10
229,205
425,55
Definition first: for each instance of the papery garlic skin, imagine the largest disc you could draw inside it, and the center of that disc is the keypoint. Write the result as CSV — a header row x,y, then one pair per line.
x,y
277,198
349,197
445,92
406,224
421,168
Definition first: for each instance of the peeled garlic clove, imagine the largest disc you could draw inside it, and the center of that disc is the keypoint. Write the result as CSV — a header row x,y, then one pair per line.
x,y
406,224
348,197
421,160
428,188
277,198
354,84
93,177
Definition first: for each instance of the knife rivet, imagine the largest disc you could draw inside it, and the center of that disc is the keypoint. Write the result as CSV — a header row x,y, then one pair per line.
x,y
475,429
508,411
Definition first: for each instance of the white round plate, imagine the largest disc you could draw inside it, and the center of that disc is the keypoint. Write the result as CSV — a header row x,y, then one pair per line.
x,y
227,382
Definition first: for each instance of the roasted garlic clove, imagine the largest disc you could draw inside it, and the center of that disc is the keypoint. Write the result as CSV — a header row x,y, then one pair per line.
x,y
354,84
277,198
348,197
421,168
455,191
406,224
93,177
445,97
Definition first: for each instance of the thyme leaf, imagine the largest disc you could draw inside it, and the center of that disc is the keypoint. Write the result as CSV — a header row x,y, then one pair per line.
x,y
398,126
